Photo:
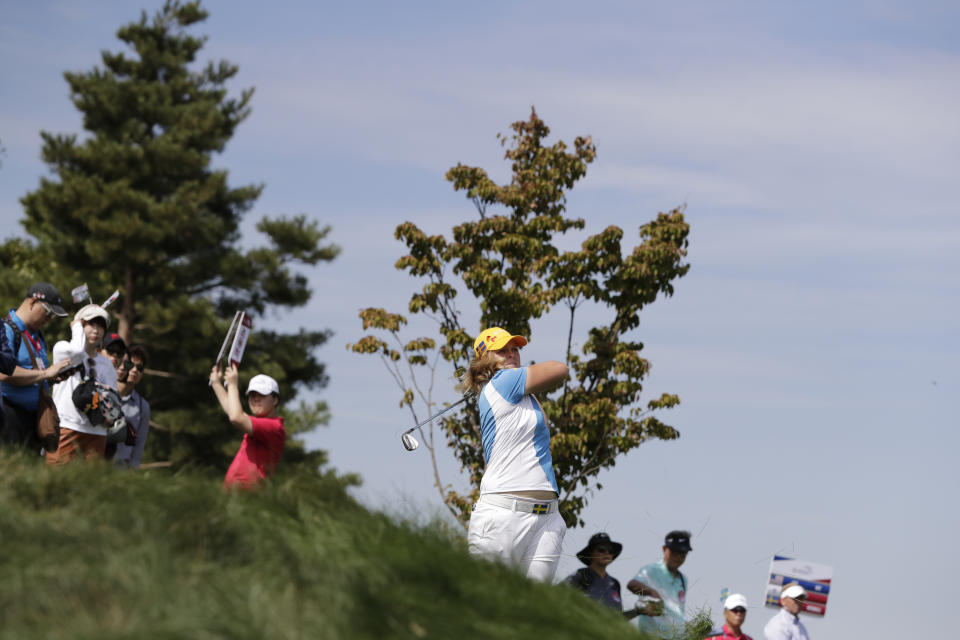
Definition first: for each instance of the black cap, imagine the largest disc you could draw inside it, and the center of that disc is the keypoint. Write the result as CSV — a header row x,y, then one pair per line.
x,y
678,541
114,340
585,555
49,294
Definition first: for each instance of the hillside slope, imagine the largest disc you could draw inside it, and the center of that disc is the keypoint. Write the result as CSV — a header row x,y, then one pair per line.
x,y
95,553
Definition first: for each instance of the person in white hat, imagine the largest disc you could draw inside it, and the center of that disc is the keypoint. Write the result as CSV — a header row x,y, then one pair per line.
x,y
734,613
264,435
87,400
516,519
786,624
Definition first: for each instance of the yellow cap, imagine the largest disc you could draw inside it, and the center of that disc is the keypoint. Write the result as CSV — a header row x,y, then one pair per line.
x,y
494,339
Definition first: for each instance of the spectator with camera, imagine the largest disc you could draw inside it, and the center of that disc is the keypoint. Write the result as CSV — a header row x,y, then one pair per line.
x,y
135,408
663,580
114,349
87,401
23,333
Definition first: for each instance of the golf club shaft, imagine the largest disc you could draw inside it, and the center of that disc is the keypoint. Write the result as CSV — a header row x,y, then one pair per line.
x,y
436,415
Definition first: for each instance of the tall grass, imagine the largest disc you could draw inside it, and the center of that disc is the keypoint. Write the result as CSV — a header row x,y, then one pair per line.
x,y
90,552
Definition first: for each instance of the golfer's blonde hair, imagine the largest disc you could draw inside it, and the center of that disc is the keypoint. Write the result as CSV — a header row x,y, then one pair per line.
x,y
479,372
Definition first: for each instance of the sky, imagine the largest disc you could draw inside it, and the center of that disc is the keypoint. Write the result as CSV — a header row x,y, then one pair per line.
x,y
814,342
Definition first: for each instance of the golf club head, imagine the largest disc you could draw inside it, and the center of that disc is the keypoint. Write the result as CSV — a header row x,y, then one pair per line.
x,y
409,442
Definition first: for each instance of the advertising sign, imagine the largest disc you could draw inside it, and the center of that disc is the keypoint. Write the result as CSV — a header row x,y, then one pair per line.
x,y
244,327
814,578
80,293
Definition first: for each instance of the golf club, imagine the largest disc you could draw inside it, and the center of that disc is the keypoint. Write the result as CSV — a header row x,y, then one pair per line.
x,y
409,442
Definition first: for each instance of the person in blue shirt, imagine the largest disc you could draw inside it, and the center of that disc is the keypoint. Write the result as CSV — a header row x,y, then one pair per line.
x,y
664,581
22,329
516,519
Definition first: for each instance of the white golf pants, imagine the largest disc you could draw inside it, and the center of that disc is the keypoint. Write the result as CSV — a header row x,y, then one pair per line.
x,y
528,541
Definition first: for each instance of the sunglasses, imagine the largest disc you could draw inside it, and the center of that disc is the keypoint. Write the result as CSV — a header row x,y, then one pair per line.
x,y
738,610
603,550
47,309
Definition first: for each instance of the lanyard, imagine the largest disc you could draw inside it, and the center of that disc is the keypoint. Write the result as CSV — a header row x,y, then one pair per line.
x,y
35,342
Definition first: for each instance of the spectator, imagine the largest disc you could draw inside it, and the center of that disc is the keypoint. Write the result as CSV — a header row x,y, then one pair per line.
x,y
135,408
663,580
594,579
83,420
21,388
114,348
734,613
516,519
264,435
786,624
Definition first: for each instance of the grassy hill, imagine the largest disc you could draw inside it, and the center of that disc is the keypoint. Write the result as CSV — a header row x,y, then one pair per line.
x,y
90,552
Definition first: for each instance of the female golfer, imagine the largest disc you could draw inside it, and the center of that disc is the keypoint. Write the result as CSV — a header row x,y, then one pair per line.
x,y
516,518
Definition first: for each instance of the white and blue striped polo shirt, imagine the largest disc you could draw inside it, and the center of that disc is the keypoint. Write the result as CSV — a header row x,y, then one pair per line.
x,y
515,437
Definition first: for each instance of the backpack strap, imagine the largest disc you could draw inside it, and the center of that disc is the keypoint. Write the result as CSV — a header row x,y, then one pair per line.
x,y
17,336
584,578
16,341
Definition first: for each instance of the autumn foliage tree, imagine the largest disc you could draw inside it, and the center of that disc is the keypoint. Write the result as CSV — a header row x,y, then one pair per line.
x,y
507,259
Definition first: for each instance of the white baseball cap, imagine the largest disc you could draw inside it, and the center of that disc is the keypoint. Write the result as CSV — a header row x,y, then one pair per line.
x,y
734,601
794,591
91,311
263,384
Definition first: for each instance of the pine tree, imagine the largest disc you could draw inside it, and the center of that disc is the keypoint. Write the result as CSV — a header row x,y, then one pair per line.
x,y
137,206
